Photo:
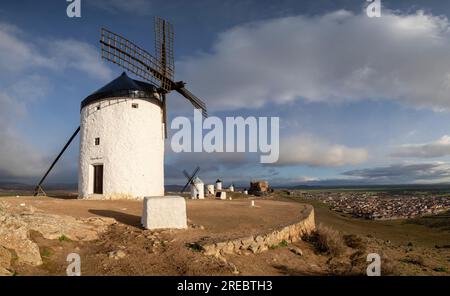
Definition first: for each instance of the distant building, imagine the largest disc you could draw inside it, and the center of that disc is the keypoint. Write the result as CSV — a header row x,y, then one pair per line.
x,y
259,187
218,184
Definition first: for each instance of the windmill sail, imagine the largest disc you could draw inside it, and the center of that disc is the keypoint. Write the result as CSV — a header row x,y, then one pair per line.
x,y
131,57
164,47
196,102
158,70
190,178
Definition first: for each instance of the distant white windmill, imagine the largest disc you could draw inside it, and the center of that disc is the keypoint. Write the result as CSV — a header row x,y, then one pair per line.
x,y
197,189
197,185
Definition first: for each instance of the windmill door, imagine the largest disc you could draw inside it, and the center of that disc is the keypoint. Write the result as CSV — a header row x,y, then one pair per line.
x,y
98,179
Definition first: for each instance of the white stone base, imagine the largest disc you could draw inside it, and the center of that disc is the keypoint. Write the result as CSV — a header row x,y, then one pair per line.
x,y
161,212
221,195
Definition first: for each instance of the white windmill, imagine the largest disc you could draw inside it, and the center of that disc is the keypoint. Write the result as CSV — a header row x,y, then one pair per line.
x,y
197,185
218,185
123,124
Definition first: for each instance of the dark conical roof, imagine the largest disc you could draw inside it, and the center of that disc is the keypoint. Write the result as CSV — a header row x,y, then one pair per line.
x,y
123,86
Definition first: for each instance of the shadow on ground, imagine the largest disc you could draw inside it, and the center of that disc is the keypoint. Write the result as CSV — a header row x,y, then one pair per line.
x,y
284,270
124,218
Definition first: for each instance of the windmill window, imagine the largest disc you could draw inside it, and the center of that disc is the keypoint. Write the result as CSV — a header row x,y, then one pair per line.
x,y
97,141
135,105
98,107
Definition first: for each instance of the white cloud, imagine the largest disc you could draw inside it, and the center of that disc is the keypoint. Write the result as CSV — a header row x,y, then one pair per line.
x,y
438,148
24,64
15,54
17,157
72,54
20,53
333,57
311,151
405,173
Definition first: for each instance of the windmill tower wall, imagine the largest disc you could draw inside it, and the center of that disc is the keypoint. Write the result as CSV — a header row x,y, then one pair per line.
x,y
126,137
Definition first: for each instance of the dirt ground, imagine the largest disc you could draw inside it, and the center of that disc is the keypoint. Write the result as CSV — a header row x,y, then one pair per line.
x,y
170,252
220,219
159,252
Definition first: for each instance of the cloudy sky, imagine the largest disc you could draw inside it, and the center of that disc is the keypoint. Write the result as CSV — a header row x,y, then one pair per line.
x,y
360,100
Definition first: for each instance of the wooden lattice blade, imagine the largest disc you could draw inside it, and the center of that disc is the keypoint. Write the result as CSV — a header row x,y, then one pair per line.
x,y
132,58
164,35
196,102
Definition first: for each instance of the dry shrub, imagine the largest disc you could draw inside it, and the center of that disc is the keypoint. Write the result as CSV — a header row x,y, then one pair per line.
x,y
415,260
327,240
358,261
388,266
355,242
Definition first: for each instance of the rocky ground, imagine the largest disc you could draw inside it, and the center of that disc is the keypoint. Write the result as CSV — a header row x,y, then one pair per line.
x,y
18,223
35,240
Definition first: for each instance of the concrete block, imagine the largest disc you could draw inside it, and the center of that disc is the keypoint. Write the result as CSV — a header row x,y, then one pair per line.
x,y
161,212
221,195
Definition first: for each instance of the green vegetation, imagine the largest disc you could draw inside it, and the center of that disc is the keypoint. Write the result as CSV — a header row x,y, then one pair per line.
x,y
415,260
63,238
440,269
441,221
282,244
194,247
45,253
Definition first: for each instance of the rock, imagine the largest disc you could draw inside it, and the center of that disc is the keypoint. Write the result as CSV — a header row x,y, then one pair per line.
x,y
228,248
262,248
18,222
222,259
5,261
116,255
296,251
195,226
259,239
5,272
233,267
246,242
254,247
209,250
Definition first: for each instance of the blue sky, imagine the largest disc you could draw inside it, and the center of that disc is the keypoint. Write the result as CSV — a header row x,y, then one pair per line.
x,y
360,100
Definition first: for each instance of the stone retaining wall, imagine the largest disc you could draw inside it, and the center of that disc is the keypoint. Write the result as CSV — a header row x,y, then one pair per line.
x,y
262,242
